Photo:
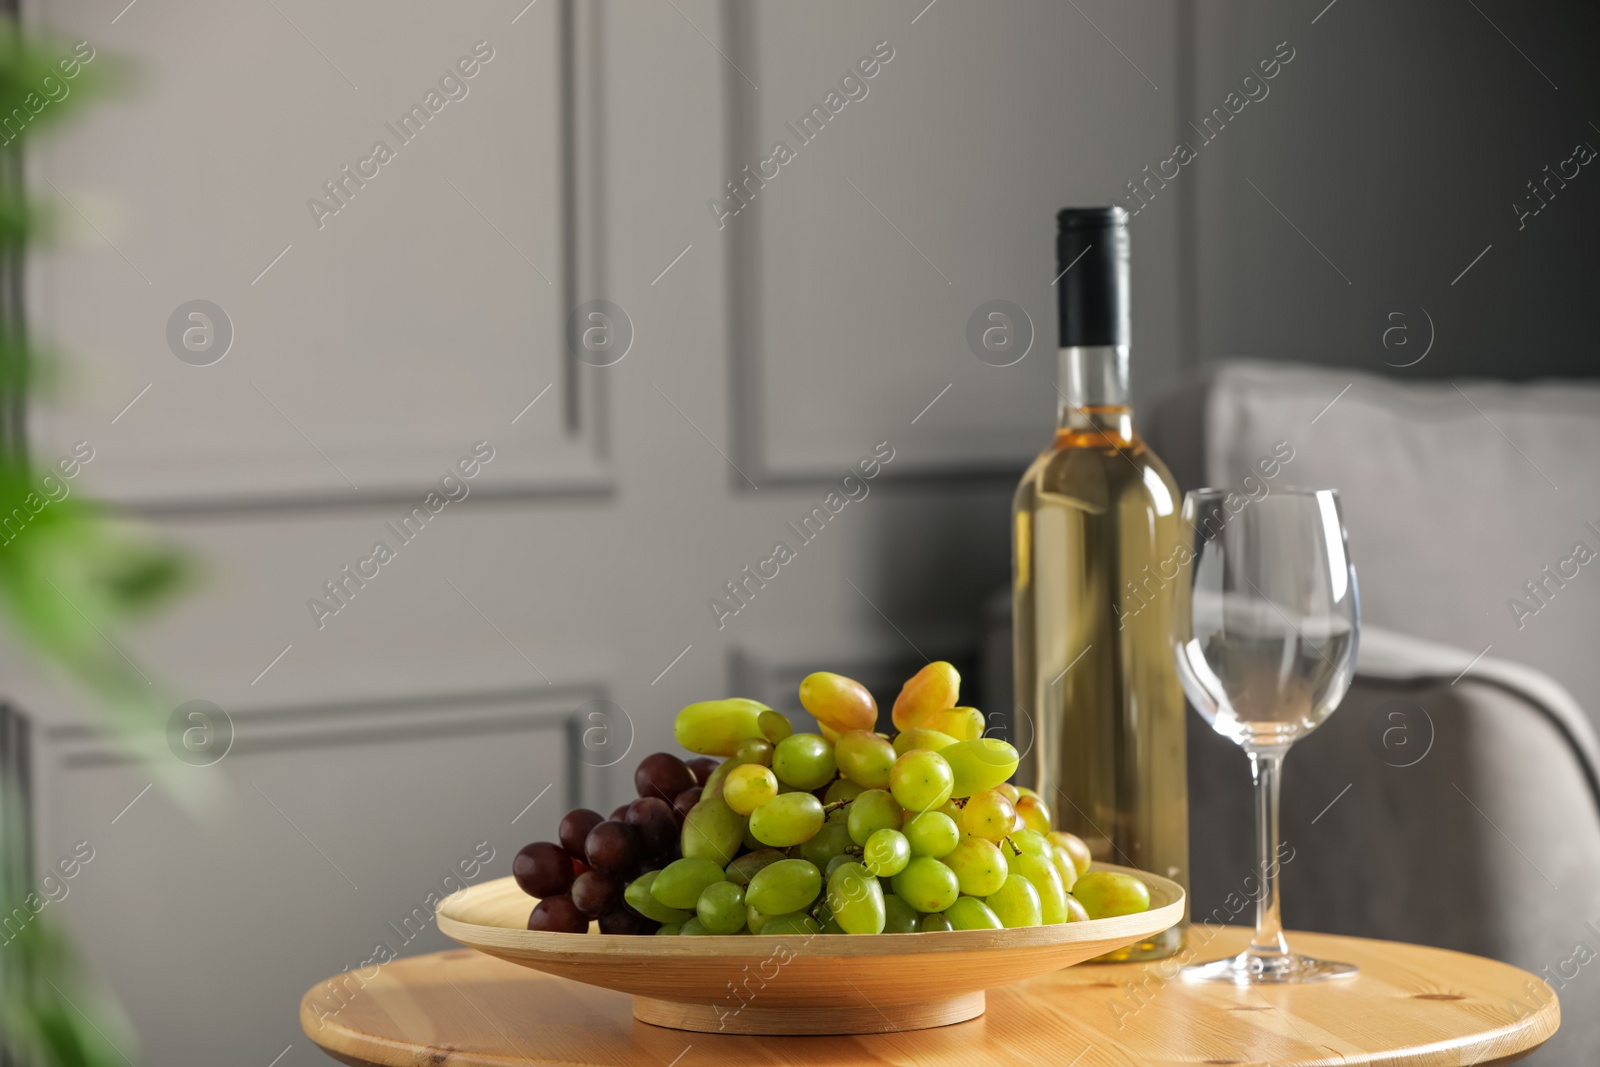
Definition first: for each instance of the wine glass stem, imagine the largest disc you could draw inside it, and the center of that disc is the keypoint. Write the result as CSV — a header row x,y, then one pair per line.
x,y
1266,767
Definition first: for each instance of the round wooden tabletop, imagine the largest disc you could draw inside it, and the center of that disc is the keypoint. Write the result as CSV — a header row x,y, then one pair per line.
x,y
1409,1005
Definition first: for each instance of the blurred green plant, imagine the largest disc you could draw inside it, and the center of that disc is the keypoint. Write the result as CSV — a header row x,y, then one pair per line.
x,y
71,580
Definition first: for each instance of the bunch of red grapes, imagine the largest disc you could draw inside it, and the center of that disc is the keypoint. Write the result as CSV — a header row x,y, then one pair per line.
x,y
583,877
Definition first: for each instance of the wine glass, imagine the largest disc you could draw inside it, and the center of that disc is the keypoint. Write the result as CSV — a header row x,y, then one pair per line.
x,y
1265,635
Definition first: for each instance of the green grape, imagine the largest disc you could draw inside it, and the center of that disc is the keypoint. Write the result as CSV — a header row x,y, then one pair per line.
x,y
970,913
1016,903
750,841
864,758
786,820
793,924
712,831
980,866
886,853
963,724
872,811
680,882
1075,911
832,927
841,789
1031,841
830,841
755,750
1041,873
748,787
1065,867
898,916
1107,893
936,686
916,737
716,727
933,833
754,920
839,703
669,929
774,726
719,774
835,863
720,908
1074,846
638,895
934,923
979,765
741,757
856,899
988,814
927,885
741,870
804,761
785,886
694,928
952,808
921,780
1033,812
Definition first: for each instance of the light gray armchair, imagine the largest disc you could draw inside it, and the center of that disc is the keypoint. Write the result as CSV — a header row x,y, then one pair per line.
x,y
1454,799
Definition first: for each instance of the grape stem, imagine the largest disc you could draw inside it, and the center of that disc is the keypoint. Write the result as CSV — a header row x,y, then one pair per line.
x,y
835,806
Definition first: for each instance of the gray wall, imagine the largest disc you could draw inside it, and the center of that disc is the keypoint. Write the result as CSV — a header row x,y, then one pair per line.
x,y
1397,142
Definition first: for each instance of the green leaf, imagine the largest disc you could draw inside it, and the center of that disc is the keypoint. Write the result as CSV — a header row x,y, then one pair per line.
x,y
43,81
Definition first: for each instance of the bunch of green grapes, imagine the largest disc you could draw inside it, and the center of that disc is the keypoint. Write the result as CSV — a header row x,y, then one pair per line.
x,y
855,832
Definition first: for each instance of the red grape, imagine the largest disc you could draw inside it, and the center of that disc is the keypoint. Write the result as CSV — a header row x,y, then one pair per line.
x,y
543,869
625,920
619,814
702,766
575,827
557,915
613,848
658,830
595,894
685,801
663,775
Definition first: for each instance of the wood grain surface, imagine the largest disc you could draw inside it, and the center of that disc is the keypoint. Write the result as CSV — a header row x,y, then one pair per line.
x,y
1409,1005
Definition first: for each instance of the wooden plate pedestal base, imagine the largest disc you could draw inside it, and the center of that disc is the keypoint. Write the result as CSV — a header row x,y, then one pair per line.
x,y
839,1019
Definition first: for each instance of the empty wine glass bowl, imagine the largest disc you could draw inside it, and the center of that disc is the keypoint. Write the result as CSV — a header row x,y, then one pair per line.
x,y
1260,672
1265,634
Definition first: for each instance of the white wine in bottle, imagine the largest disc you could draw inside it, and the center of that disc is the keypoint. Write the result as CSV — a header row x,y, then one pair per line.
x,y
1095,555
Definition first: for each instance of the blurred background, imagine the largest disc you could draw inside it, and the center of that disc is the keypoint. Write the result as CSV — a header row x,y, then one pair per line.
x,y
1373,227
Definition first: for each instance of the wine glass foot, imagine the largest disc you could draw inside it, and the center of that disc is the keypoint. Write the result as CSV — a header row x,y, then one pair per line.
x,y
1246,969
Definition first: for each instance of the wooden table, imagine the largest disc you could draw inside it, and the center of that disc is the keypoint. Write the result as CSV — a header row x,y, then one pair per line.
x,y
1409,1005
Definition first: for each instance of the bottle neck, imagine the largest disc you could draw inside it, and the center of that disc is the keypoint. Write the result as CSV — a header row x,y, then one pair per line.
x,y
1094,392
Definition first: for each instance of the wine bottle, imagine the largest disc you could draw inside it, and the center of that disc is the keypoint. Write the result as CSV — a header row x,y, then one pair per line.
x,y
1095,553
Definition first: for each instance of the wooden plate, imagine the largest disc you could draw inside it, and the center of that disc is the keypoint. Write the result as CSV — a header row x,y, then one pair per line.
x,y
821,984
